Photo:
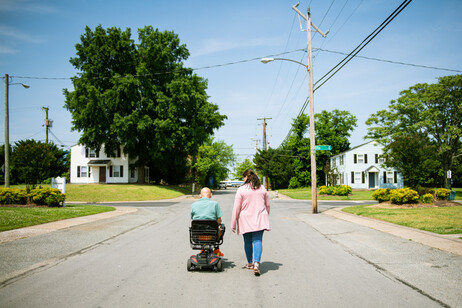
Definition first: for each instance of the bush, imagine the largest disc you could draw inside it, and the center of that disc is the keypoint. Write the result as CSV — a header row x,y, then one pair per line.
x,y
294,183
442,194
47,196
13,196
381,195
427,198
342,190
404,195
424,190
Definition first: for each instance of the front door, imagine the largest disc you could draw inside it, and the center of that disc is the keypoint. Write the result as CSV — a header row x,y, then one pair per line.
x,y
371,179
102,174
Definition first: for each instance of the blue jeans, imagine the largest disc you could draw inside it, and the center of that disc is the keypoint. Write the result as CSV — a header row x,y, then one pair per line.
x,y
253,246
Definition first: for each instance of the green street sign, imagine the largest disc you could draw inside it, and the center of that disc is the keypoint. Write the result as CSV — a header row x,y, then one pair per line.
x,y
323,148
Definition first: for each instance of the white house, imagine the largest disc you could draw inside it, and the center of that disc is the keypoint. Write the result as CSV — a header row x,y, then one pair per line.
x,y
90,166
362,168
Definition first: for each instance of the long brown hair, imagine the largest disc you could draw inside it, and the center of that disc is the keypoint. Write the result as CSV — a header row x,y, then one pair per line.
x,y
252,179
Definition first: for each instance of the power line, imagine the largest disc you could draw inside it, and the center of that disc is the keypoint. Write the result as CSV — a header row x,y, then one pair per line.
x,y
353,53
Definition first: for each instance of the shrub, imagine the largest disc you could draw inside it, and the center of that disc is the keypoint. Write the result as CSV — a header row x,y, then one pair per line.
x,y
342,190
381,195
424,190
47,196
442,194
427,198
13,196
323,190
294,183
404,195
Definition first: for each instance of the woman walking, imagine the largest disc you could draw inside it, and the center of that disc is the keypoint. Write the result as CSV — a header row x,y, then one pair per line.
x,y
251,217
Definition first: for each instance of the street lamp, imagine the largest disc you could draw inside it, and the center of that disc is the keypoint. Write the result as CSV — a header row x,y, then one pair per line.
x,y
314,197
7,132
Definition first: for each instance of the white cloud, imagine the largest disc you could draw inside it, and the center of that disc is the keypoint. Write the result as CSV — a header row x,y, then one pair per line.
x,y
7,50
25,6
15,34
210,46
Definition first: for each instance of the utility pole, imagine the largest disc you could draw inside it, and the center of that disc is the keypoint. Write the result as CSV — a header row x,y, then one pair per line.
x,y
47,122
265,145
314,196
7,135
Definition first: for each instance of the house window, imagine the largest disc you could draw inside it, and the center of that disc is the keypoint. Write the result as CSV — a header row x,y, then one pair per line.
x,y
91,153
82,171
334,162
116,153
341,160
390,177
360,158
132,173
116,171
358,178
378,159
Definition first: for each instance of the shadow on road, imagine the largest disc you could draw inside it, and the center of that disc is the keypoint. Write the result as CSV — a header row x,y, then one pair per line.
x,y
269,266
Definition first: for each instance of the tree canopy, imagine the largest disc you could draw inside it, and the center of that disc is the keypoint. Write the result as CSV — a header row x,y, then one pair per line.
x,y
431,112
140,96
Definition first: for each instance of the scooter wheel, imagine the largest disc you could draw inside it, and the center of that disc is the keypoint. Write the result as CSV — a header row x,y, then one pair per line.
x,y
189,266
220,265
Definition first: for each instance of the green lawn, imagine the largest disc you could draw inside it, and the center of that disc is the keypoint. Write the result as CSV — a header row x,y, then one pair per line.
x,y
119,192
16,217
305,194
442,220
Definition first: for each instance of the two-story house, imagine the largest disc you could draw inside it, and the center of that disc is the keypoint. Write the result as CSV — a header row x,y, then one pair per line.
x,y
362,168
91,166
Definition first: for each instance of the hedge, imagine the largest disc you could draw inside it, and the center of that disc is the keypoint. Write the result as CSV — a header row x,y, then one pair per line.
x,y
40,196
341,190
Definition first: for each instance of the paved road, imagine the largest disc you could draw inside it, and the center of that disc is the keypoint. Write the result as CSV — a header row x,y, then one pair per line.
x,y
139,260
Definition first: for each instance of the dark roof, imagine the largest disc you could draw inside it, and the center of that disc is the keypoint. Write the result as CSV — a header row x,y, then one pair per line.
x,y
99,162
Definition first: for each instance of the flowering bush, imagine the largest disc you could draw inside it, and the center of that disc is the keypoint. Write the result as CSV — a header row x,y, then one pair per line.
x,y
13,196
381,195
404,195
442,194
47,196
427,198
341,190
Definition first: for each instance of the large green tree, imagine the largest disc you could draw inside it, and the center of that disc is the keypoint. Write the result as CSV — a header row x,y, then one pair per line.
x,y
140,96
276,164
33,161
430,110
213,162
331,128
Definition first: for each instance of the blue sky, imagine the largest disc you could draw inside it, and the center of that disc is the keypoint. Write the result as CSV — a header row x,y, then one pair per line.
x,y
37,39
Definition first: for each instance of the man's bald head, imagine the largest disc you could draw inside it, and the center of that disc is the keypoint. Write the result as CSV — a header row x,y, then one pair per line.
x,y
206,193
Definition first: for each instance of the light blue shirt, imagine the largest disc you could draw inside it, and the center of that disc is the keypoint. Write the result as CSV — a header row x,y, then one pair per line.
x,y
205,209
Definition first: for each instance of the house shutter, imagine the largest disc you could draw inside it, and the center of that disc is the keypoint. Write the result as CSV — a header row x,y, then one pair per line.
x,y
365,159
395,177
97,153
121,170
86,152
89,170
118,152
376,158
363,177
356,159
385,177
352,176
110,171
78,171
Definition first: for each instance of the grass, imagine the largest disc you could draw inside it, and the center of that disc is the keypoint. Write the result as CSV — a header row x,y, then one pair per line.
x,y
17,217
305,194
441,220
120,192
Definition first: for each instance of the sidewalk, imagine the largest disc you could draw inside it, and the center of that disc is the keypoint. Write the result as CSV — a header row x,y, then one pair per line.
x,y
451,242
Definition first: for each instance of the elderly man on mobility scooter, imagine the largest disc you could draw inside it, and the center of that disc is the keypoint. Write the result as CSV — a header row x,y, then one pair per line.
x,y
206,233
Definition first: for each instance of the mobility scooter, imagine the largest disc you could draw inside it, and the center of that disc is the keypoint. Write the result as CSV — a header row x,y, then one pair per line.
x,y
206,236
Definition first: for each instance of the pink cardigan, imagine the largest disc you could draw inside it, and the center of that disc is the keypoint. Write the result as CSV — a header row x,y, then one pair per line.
x,y
251,210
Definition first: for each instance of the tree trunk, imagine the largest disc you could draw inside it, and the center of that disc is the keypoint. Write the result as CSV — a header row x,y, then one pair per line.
x,y
141,175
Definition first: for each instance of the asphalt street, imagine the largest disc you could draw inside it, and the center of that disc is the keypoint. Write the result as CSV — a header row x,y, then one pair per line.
x,y
309,260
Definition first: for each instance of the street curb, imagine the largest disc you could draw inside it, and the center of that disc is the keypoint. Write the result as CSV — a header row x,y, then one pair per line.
x,y
449,243
16,234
